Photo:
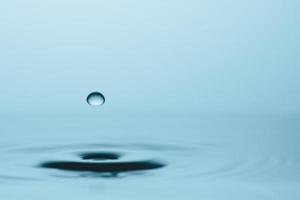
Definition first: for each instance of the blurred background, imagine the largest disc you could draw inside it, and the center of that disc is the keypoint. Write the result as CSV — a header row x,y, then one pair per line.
x,y
179,56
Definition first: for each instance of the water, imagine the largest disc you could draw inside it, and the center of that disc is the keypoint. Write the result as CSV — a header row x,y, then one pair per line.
x,y
221,164
95,99
204,100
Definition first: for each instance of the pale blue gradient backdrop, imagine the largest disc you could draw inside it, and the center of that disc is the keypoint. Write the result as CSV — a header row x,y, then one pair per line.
x,y
150,56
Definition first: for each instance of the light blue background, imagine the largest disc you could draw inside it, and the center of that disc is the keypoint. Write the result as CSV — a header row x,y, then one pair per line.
x,y
150,56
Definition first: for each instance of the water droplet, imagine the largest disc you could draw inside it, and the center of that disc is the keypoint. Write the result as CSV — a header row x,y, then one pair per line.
x,y
95,99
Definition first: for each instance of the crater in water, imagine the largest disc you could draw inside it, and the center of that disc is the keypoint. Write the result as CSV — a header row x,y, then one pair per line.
x,y
100,156
117,160
101,160
96,166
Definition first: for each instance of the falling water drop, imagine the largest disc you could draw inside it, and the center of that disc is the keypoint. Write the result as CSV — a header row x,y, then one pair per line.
x,y
95,99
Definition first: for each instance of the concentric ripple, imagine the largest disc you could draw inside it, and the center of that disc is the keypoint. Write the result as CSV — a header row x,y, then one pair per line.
x,y
114,160
103,167
100,156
